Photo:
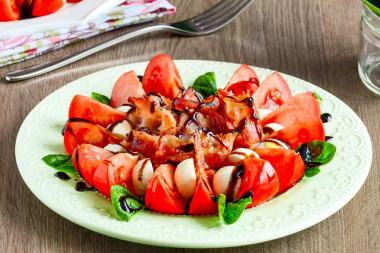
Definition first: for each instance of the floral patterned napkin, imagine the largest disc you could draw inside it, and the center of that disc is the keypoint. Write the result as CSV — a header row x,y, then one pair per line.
x,y
16,49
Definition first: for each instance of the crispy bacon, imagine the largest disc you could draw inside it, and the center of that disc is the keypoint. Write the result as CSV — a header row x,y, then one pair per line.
x,y
159,148
251,131
211,151
235,111
149,112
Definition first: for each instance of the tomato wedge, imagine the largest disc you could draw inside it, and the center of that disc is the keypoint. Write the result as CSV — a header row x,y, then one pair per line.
x,y
301,132
272,93
161,76
203,201
298,108
116,169
86,159
260,179
9,10
285,162
83,107
46,7
244,80
128,85
160,193
78,131
299,170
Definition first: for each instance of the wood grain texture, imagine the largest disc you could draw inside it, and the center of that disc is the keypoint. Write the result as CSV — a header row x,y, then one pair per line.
x,y
315,40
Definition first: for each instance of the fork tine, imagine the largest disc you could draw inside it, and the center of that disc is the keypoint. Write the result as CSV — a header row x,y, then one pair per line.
x,y
212,10
227,16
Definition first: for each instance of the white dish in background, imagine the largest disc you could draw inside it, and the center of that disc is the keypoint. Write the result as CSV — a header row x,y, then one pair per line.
x,y
307,203
69,15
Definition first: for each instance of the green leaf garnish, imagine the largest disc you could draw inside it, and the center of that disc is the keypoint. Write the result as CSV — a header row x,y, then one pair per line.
x,y
230,212
316,95
312,172
60,162
101,98
315,154
373,5
124,202
206,84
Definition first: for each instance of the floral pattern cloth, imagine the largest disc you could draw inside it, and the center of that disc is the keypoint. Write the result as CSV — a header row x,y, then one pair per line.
x,y
20,48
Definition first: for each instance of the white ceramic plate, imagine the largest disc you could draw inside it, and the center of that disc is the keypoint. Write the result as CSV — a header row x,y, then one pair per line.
x,y
307,203
69,15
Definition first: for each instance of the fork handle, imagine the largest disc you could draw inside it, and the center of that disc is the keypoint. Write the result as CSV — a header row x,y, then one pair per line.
x,y
46,67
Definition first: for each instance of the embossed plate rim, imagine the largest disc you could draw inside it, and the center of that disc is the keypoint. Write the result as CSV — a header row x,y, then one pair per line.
x,y
307,203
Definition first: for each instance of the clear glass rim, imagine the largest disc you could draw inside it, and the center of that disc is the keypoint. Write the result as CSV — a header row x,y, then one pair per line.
x,y
371,18
369,13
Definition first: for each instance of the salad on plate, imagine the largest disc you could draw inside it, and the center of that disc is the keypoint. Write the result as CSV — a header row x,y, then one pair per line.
x,y
152,145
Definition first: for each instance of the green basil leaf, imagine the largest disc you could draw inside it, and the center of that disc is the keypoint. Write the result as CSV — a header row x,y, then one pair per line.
x,y
101,98
315,154
124,202
229,213
206,84
60,162
321,152
312,172
221,205
319,98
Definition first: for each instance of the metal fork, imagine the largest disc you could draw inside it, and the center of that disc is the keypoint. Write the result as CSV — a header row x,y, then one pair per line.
x,y
208,22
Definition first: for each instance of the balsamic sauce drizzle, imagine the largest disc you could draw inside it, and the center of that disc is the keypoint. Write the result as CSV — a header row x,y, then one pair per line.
x,y
82,187
326,117
62,175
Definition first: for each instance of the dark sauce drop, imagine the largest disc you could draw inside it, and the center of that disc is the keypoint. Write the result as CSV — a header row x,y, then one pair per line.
x,y
124,205
307,155
247,194
140,177
162,102
328,138
214,198
62,175
140,78
83,187
326,117
152,106
237,173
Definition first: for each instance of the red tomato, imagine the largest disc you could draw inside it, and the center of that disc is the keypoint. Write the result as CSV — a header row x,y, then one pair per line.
x,y
9,10
161,76
203,202
116,169
301,132
128,85
73,1
83,107
285,162
299,169
46,7
244,80
260,179
120,171
272,93
100,178
252,169
160,193
86,159
298,108
79,131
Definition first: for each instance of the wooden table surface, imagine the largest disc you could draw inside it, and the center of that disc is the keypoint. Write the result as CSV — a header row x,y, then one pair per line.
x,y
315,40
